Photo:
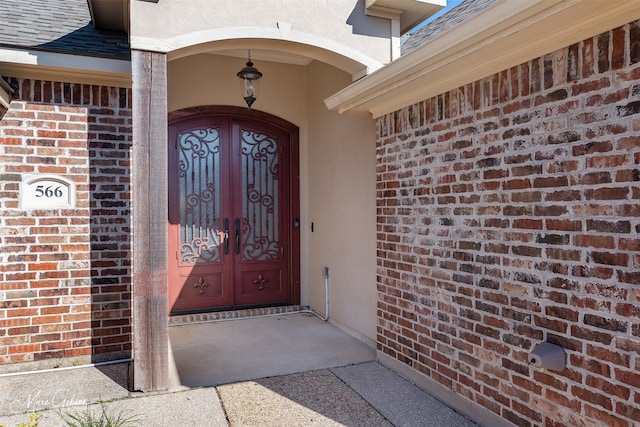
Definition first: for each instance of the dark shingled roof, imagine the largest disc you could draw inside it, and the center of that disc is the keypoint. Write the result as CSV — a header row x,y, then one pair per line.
x,y
62,26
456,16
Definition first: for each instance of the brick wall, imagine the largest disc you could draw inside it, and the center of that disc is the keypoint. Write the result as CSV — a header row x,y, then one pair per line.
x,y
65,292
509,214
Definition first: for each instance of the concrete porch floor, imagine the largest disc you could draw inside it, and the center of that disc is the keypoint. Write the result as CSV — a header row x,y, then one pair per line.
x,y
284,370
214,353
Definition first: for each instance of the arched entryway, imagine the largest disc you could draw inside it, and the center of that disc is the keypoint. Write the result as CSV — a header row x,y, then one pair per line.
x,y
234,212
337,182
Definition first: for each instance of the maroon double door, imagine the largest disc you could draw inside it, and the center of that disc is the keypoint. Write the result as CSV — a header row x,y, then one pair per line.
x,y
233,210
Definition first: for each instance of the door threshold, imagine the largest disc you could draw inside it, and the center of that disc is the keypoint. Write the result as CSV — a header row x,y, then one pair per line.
x,y
182,319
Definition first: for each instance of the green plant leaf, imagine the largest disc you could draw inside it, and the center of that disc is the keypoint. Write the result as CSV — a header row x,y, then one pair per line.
x,y
114,416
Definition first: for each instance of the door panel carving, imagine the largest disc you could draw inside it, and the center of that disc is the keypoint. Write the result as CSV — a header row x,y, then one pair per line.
x,y
263,283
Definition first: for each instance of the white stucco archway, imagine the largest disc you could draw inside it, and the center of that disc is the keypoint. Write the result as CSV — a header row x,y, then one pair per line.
x,y
279,39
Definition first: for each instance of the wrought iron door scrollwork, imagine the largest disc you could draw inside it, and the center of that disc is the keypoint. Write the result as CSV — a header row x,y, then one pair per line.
x,y
200,195
260,164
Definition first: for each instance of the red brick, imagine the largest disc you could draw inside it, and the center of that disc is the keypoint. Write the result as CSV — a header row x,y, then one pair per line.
x,y
618,44
76,352
627,377
594,241
49,319
572,404
43,266
608,388
631,412
604,418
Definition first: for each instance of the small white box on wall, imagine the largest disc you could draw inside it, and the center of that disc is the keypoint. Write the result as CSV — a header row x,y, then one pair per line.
x,y
47,192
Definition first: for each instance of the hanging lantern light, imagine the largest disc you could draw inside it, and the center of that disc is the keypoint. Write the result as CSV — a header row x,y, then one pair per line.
x,y
249,86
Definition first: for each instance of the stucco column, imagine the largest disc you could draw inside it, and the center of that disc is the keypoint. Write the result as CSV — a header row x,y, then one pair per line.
x,y
149,184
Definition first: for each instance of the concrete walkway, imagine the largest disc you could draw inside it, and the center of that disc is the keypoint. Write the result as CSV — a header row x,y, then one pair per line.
x,y
213,353
281,371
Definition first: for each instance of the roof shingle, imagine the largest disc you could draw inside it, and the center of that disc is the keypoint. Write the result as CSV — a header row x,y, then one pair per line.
x,y
62,26
459,14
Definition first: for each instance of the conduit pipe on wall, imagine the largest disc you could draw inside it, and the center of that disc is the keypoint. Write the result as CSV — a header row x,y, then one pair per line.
x,y
325,274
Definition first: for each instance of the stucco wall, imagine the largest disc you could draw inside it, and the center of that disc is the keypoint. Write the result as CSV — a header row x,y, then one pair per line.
x,y
508,214
321,23
341,205
209,79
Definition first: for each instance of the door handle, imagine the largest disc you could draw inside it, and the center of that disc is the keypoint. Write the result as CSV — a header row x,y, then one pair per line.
x,y
226,236
237,227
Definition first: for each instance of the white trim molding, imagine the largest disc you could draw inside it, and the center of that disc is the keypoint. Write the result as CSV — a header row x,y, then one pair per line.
x,y
504,35
35,64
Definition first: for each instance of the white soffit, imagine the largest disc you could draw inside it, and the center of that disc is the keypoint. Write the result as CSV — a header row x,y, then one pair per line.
x,y
411,12
505,35
63,67
267,55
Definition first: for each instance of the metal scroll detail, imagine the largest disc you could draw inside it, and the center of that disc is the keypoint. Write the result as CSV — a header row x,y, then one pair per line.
x,y
260,197
199,186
